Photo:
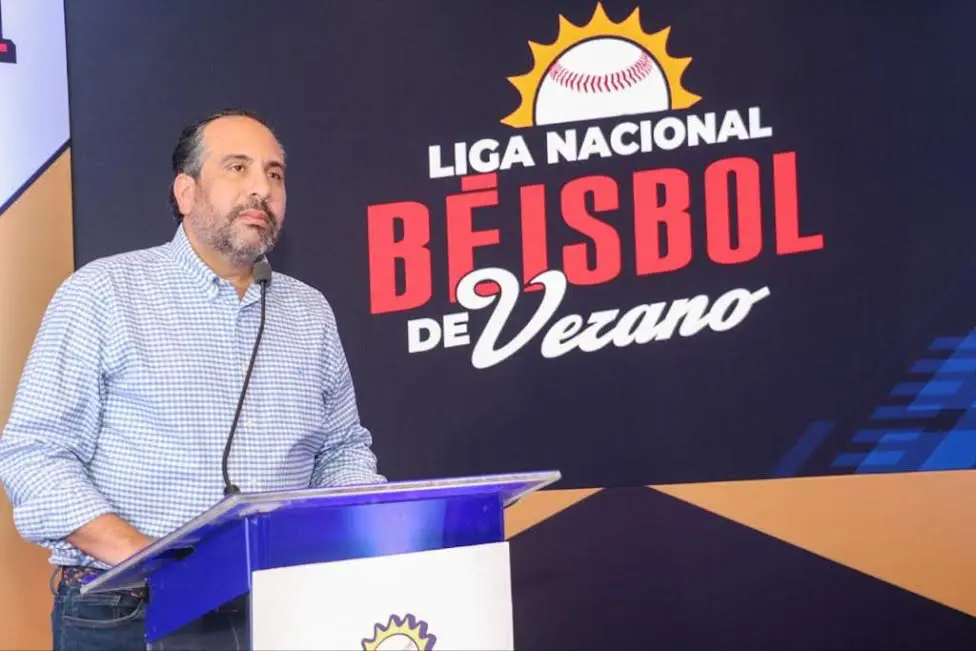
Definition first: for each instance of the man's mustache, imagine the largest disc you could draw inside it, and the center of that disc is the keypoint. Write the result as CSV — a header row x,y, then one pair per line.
x,y
257,205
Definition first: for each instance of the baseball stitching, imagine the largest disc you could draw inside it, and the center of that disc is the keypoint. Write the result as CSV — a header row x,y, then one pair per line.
x,y
605,83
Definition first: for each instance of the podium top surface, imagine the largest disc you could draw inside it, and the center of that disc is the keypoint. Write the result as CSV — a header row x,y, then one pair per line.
x,y
134,571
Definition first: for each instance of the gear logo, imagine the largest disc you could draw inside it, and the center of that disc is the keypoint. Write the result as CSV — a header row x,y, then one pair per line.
x,y
406,634
599,70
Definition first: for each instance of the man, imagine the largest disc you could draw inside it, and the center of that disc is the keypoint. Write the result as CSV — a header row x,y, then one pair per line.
x,y
118,428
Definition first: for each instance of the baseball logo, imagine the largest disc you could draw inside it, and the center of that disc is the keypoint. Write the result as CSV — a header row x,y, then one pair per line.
x,y
599,70
601,78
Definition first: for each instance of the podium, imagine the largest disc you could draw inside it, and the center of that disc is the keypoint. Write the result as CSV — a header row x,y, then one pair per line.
x,y
406,565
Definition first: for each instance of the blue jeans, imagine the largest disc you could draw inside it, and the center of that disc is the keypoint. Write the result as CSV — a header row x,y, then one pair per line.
x,y
114,621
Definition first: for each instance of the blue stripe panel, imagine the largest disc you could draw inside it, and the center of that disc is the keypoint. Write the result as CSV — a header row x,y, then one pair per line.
x,y
906,389
886,435
883,458
965,352
947,343
941,388
960,365
808,443
848,460
914,453
957,451
967,420
948,390
926,366
969,343
896,412
899,437
961,399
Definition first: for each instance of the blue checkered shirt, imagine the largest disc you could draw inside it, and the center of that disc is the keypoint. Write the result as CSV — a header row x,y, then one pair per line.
x,y
130,389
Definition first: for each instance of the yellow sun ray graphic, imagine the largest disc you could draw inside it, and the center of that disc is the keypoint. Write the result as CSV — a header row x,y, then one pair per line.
x,y
400,634
600,69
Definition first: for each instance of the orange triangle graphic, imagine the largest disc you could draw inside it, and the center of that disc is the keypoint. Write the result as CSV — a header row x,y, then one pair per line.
x,y
914,530
542,505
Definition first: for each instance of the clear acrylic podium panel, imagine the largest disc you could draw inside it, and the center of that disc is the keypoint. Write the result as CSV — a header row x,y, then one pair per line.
x,y
420,502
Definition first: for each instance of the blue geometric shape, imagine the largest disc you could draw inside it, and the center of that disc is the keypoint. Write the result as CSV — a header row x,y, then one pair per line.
x,y
917,452
964,352
926,366
848,460
947,343
960,401
808,443
959,365
894,451
956,451
896,412
903,389
900,437
949,390
941,388
967,420
882,458
887,435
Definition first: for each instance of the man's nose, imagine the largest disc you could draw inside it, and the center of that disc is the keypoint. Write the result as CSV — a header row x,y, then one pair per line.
x,y
260,185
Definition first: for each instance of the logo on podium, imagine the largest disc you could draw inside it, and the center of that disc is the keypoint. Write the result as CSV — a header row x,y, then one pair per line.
x,y
406,634
8,50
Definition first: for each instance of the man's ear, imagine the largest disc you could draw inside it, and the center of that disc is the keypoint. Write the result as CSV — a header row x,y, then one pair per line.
x,y
185,192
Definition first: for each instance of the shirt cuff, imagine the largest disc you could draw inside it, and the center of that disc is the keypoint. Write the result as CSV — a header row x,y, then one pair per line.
x,y
56,514
351,478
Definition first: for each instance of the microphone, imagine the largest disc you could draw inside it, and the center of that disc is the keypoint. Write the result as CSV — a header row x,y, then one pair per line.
x,y
261,275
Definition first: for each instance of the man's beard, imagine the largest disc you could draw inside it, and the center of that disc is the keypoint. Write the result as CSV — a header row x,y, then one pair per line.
x,y
222,234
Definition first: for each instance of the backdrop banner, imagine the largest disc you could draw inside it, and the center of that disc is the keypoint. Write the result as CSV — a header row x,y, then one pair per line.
x,y
668,248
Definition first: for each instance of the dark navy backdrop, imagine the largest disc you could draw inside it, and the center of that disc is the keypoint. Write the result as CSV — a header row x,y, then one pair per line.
x,y
875,101
874,98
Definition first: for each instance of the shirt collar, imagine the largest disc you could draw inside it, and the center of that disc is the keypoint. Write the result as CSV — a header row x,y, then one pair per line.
x,y
199,272
183,253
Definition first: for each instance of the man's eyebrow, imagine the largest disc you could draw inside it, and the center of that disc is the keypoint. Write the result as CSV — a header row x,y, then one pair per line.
x,y
245,158
231,157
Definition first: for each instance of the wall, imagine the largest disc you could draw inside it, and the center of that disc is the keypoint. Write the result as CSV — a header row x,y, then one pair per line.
x,y
36,254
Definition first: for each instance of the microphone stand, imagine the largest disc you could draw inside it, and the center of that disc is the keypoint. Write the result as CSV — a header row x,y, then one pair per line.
x,y
262,273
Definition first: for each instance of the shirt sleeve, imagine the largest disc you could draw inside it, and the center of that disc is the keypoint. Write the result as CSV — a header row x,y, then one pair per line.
x,y
55,419
346,458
